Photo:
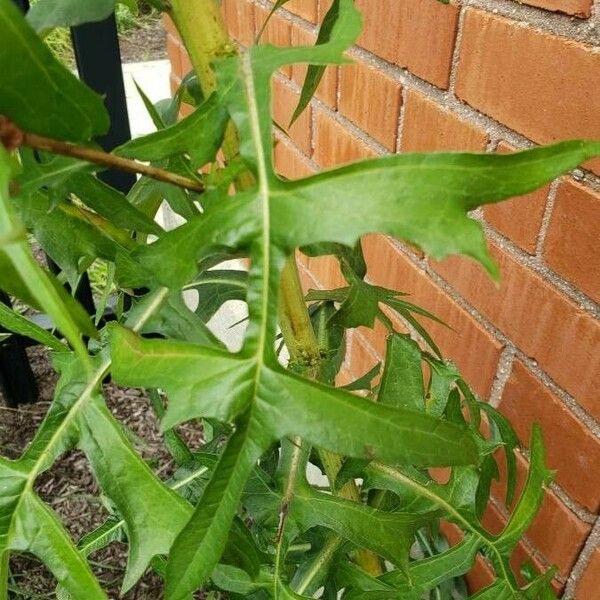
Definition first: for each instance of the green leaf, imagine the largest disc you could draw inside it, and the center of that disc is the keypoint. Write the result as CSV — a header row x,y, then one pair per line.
x,y
510,441
153,513
426,574
110,531
111,204
423,575
175,320
406,191
532,496
443,377
215,287
68,234
276,6
390,535
45,14
361,306
402,381
201,544
42,170
65,312
38,531
13,321
365,382
199,135
315,73
287,404
38,93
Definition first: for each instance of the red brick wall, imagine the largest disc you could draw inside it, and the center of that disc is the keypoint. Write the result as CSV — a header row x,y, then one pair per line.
x,y
480,75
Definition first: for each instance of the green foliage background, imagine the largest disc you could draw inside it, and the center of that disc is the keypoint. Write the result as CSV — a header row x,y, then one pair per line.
x,y
240,516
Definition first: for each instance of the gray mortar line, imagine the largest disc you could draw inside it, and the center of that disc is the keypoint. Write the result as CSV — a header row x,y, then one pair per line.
x,y
592,543
556,23
456,52
546,217
401,119
503,371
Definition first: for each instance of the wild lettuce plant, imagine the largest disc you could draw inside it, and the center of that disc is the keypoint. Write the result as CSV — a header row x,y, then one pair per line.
x,y
241,516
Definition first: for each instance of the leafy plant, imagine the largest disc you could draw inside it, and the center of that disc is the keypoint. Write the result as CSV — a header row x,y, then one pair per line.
x,y
241,516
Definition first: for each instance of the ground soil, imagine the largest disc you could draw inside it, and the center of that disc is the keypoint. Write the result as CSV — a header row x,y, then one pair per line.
x,y
149,42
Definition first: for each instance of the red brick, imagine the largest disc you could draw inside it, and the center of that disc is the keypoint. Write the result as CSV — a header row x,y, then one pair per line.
x,y
430,127
509,71
556,531
571,246
372,100
589,585
520,218
290,163
307,279
334,144
278,32
174,52
174,82
472,348
239,16
419,35
169,25
324,6
578,8
544,324
285,100
307,9
325,270
327,89
570,447
362,357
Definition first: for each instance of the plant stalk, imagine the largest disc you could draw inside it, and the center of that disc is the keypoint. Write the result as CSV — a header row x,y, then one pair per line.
x,y
201,27
203,32
99,157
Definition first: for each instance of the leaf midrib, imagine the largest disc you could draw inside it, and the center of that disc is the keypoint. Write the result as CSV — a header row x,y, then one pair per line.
x,y
482,535
94,380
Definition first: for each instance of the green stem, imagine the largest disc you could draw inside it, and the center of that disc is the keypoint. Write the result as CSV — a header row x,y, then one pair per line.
x,y
4,575
201,27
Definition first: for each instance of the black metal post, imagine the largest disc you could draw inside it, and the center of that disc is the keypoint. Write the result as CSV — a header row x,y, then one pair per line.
x,y
17,380
99,64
